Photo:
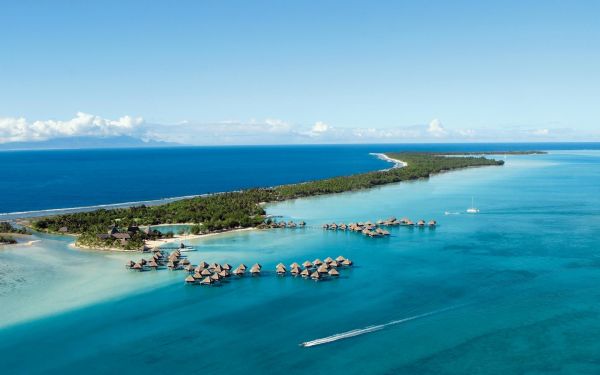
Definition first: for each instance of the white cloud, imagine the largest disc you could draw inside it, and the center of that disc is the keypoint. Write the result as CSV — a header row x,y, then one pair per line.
x,y
271,131
541,132
83,124
436,129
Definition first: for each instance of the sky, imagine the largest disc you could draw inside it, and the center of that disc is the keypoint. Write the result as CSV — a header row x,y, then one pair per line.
x,y
252,72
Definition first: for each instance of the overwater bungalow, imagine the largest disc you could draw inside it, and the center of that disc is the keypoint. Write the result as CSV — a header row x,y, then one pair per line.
x,y
340,259
334,264
242,266
323,269
142,261
152,264
432,223
226,266
409,223
217,268
280,270
239,272
185,262
198,269
307,264
333,226
280,265
190,279
291,224
294,265
343,227
347,262
171,264
197,276
129,264
404,220
421,223
257,265
207,281
205,272
334,272
203,264
328,260
305,273
137,267
295,271
255,271
224,273
215,277
317,262
315,276
325,226
189,268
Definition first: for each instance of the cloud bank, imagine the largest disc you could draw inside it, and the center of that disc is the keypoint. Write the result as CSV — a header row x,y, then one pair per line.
x,y
83,124
271,131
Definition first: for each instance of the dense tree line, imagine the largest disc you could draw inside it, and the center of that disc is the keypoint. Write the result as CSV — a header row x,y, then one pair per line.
x,y
7,227
243,209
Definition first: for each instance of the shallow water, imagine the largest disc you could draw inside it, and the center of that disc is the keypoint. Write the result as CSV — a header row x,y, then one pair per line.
x,y
511,290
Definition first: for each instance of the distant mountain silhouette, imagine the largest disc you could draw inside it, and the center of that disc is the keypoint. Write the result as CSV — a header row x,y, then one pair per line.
x,y
85,142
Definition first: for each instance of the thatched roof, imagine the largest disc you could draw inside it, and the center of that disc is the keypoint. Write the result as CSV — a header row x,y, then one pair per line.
x,y
207,281
295,270
280,270
185,262
255,269
189,268
171,264
328,260
224,273
190,279
205,272
257,265
334,264
294,265
317,262
323,269
315,276
130,263
347,262
242,266
197,276
305,272
307,264
238,271
203,264
216,277
137,266
152,264
226,266
340,259
333,272
280,265
421,222
432,223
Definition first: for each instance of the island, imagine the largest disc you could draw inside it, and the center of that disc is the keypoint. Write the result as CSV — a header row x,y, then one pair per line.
x,y
130,228
8,232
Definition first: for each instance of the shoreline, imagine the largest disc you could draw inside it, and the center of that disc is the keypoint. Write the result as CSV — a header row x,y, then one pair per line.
x,y
160,242
397,163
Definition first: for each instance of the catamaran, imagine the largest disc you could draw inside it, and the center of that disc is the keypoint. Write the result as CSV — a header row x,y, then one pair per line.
x,y
472,209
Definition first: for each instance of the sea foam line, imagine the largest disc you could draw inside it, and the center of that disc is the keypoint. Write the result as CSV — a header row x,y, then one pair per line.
x,y
369,329
397,163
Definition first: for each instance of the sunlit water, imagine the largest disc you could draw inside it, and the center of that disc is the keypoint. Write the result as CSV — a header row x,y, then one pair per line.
x,y
513,289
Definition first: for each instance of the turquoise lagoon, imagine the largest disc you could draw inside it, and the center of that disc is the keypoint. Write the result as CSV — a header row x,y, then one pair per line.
x,y
513,289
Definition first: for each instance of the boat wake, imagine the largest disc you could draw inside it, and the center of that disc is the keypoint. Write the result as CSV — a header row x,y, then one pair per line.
x,y
369,329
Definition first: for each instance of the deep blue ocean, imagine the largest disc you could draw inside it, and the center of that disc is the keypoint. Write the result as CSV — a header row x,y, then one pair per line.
x,y
41,180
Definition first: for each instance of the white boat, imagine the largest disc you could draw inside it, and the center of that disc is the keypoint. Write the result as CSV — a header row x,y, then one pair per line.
x,y
472,209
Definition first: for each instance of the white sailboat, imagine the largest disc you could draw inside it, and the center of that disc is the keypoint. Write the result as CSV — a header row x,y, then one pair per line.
x,y
472,209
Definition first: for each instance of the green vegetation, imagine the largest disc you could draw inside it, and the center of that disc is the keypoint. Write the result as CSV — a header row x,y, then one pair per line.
x,y
497,153
240,209
6,227
7,240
